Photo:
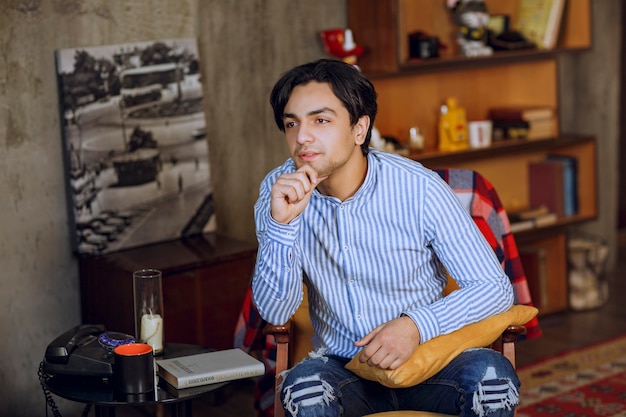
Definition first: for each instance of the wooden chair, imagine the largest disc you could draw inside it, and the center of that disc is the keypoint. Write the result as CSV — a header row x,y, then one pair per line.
x,y
293,343
293,339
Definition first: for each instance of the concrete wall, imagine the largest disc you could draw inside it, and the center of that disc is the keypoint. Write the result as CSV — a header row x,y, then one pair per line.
x,y
244,47
590,103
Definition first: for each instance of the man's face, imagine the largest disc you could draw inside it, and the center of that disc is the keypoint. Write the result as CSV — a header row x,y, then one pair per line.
x,y
318,131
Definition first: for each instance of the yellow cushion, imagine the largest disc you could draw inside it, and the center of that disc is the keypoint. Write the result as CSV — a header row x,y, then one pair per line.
x,y
430,357
302,331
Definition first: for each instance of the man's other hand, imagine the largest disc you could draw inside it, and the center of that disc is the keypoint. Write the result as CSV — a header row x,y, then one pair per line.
x,y
391,344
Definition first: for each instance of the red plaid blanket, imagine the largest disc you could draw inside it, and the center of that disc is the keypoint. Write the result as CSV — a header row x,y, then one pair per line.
x,y
481,200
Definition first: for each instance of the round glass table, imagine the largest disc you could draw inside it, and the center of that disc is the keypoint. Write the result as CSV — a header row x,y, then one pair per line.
x,y
100,393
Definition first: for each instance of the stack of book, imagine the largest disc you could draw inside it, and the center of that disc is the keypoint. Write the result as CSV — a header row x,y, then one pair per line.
x,y
553,182
537,216
523,122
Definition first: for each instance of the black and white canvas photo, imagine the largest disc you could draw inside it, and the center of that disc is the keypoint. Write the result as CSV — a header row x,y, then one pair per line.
x,y
135,145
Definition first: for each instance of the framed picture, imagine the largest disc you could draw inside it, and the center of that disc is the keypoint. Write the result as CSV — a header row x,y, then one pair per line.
x,y
135,148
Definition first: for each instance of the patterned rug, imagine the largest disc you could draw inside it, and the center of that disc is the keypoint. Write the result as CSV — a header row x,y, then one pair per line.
x,y
587,382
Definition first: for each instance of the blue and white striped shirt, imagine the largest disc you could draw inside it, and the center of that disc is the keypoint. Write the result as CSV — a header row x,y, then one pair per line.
x,y
375,256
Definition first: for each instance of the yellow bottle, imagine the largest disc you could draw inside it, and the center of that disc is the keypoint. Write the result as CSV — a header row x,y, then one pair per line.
x,y
452,127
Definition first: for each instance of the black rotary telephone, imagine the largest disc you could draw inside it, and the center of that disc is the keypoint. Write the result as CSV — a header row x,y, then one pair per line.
x,y
84,350
82,354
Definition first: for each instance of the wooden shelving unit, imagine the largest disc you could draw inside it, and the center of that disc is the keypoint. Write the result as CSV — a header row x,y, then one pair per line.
x,y
411,92
383,27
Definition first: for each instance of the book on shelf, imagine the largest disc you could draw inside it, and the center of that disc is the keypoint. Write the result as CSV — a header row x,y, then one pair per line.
x,y
534,261
542,128
525,113
524,122
539,21
529,213
505,129
570,182
208,368
546,186
540,220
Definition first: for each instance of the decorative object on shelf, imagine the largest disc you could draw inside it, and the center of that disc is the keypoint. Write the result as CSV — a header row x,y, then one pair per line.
x,y
416,139
587,256
479,133
498,23
472,18
387,143
540,21
131,116
423,45
501,38
452,126
148,296
509,41
377,141
340,43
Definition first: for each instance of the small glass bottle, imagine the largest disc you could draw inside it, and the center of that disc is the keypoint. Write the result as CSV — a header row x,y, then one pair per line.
x,y
148,296
416,139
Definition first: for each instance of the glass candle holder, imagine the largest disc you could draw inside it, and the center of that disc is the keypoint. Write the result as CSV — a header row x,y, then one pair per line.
x,y
148,296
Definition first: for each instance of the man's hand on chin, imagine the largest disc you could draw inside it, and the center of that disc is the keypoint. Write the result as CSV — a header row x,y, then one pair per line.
x,y
291,193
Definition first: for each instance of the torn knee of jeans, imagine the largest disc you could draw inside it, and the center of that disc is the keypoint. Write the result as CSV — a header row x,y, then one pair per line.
x,y
307,392
319,354
494,393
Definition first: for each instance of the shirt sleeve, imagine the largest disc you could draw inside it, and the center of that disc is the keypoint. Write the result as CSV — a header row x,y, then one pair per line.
x,y
466,256
277,280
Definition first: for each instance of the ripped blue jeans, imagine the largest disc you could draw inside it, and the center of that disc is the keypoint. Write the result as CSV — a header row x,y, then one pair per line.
x,y
478,382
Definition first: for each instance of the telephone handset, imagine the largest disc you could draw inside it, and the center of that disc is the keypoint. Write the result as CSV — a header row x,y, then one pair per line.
x,y
60,349
85,350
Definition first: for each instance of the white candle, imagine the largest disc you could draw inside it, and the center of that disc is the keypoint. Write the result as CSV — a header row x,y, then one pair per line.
x,y
152,331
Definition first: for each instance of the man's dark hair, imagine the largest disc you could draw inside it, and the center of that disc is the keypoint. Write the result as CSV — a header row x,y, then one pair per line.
x,y
350,86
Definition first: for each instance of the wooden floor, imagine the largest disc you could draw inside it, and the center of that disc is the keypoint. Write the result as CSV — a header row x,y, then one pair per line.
x,y
561,332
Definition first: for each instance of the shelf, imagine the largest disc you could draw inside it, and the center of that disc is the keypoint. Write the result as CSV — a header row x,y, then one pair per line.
x,y
460,63
544,231
502,148
505,165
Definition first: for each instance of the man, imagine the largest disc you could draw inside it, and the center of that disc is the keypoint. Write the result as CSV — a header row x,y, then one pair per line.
x,y
372,235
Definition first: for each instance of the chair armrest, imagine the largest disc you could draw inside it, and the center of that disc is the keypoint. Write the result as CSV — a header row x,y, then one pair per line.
x,y
505,344
511,333
282,336
281,333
